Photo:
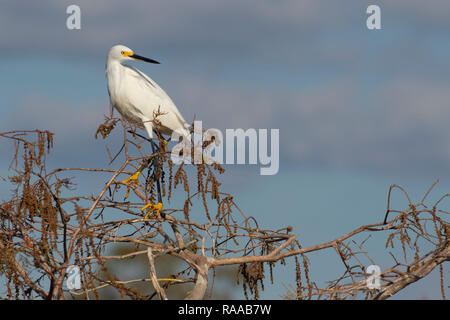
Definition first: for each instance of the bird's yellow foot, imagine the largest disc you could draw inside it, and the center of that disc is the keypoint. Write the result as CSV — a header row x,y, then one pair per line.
x,y
164,144
154,207
134,177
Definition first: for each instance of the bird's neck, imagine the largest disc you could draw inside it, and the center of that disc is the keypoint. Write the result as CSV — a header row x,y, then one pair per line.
x,y
114,73
113,67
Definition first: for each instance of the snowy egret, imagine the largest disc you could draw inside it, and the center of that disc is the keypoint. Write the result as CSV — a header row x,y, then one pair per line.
x,y
138,99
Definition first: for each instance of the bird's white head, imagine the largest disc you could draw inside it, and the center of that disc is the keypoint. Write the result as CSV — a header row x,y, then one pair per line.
x,y
122,53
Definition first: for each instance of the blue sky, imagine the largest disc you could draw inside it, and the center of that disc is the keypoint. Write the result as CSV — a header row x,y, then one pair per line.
x,y
357,110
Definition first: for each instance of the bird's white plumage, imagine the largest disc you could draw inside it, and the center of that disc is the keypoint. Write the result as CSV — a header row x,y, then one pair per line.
x,y
138,98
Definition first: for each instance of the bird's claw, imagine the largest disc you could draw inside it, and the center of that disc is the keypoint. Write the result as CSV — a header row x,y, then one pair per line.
x,y
164,144
134,177
155,208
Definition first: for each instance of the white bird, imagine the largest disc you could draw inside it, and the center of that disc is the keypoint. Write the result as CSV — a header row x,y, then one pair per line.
x,y
138,99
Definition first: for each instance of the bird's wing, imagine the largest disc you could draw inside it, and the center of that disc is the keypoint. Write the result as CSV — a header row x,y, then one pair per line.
x,y
148,95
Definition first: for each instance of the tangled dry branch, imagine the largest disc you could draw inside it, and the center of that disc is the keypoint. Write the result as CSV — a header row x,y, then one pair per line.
x,y
45,227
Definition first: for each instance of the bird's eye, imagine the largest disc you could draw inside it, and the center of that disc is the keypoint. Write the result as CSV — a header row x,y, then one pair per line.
x,y
122,52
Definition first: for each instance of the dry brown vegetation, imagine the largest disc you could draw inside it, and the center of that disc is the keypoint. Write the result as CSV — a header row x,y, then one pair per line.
x,y
47,226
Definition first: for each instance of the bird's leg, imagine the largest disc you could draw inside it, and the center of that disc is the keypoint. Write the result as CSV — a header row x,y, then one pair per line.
x,y
156,176
134,178
143,165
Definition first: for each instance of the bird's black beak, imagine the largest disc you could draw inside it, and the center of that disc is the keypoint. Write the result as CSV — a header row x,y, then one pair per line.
x,y
136,56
